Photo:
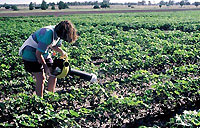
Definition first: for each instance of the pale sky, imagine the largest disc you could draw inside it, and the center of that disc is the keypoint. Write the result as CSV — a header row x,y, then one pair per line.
x,y
112,1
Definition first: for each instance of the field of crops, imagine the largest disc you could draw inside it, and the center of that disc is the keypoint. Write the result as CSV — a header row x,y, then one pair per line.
x,y
147,65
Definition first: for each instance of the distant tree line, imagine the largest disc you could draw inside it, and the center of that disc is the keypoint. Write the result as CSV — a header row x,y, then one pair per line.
x,y
44,5
97,5
64,5
7,6
181,3
164,3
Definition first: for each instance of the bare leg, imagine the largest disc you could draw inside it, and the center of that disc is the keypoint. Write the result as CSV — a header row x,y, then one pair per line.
x,y
52,83
40,80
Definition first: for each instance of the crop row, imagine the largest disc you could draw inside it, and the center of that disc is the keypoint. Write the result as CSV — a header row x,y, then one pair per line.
x,y
143,72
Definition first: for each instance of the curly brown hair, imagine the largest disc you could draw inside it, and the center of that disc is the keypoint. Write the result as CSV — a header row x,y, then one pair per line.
x,y
66,31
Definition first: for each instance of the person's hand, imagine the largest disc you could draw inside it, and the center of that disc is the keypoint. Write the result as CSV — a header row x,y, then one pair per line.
x,y
64,55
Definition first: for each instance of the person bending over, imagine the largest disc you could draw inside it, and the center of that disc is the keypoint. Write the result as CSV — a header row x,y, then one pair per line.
x,y
35,52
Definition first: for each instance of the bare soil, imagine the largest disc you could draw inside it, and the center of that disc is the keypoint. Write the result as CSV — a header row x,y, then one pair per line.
x,y
60,13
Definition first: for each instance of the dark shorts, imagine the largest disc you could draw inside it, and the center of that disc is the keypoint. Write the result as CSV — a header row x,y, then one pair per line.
x,y
36,66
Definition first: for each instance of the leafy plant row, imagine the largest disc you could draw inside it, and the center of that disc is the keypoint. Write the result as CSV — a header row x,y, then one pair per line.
x,y
143,71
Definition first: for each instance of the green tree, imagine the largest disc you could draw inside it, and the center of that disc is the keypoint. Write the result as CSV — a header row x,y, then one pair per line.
x,y
14,7
44,5
171,2
7,6
187,3
182,3
105,5
196,4
53,7
31,7
61,5
4,5
66,6
162,3
96,6
143,2
51,4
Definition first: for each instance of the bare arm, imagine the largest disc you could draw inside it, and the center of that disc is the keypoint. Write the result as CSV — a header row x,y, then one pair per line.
x,y
58,49
41,60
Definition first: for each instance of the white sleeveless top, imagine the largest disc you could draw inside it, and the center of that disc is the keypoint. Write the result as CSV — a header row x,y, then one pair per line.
x,y
32,43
